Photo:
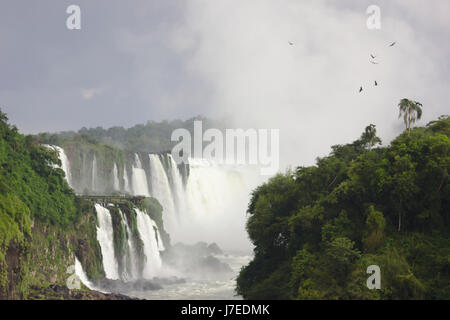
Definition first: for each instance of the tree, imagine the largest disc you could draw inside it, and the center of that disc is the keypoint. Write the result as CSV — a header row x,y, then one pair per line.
x,y
369,137
411,111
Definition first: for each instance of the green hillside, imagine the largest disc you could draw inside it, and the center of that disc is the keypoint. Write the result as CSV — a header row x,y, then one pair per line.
x,y
316,230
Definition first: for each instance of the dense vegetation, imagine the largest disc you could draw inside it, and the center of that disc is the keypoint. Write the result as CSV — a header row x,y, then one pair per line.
x,y
42,223
316,230
153,137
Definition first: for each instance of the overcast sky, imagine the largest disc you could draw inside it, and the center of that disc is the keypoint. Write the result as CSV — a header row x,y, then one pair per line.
x,y
134,61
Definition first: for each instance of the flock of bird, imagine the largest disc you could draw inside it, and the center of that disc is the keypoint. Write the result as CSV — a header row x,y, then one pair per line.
x,y
373,57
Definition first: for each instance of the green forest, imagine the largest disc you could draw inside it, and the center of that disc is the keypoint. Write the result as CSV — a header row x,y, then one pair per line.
x,y
152,137
44,225
317,229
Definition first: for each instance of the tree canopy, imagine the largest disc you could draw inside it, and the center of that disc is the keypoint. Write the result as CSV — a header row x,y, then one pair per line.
x,y
318,228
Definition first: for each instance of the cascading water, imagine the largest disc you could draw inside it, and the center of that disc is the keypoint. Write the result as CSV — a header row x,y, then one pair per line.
x,y
94,174
216,202
105,237
139,179
130,263
116,184
126,183
162,192
177,185
207,203
65,164
82,275
146,228
158,237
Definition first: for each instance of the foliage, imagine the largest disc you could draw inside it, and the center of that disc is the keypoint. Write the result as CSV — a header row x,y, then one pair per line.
x,y
411,111
41,221
316,230
152,137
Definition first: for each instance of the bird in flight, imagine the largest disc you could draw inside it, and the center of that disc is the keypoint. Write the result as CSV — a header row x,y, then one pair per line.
x,y
372,56
393,44
360,89
376,83
291,43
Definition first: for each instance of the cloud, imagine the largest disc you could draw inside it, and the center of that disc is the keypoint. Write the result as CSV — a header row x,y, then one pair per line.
x,y
160,60
88,94
310,91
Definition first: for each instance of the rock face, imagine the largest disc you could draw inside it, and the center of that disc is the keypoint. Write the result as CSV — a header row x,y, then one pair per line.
x,y
139,285
58,292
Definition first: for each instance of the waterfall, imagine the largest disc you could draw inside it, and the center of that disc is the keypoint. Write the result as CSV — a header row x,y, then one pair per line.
x,y
139,179
126,183
65,164
177,185
82,275
116,184
105,237
162,192
94,174
158,237
130,263
146,228
216,199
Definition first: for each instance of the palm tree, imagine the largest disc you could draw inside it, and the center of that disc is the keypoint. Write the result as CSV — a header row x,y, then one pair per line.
x,y
411,111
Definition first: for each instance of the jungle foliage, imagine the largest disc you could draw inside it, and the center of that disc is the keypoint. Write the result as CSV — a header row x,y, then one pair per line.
x,y
318,228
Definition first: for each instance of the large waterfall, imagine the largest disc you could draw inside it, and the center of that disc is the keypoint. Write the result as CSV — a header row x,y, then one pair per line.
x,y
162,191
202,201
129,259
105,236
116,178
216,198
139,179
148,232
65,165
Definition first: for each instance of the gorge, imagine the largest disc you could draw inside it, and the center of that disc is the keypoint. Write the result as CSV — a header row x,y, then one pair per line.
x,y
191,204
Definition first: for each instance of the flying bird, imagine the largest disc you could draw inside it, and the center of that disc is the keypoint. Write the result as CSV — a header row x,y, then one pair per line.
x,y
376,83
360,89
393,44
372,56
291,43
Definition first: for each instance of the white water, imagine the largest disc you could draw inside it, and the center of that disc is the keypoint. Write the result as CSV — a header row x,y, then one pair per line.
x,y
139,179
129,259
162,192
116,184
158,237
153,263
216,198
210,207
65,164
126,182
94,174
202,289
105,238
177,186
82,275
